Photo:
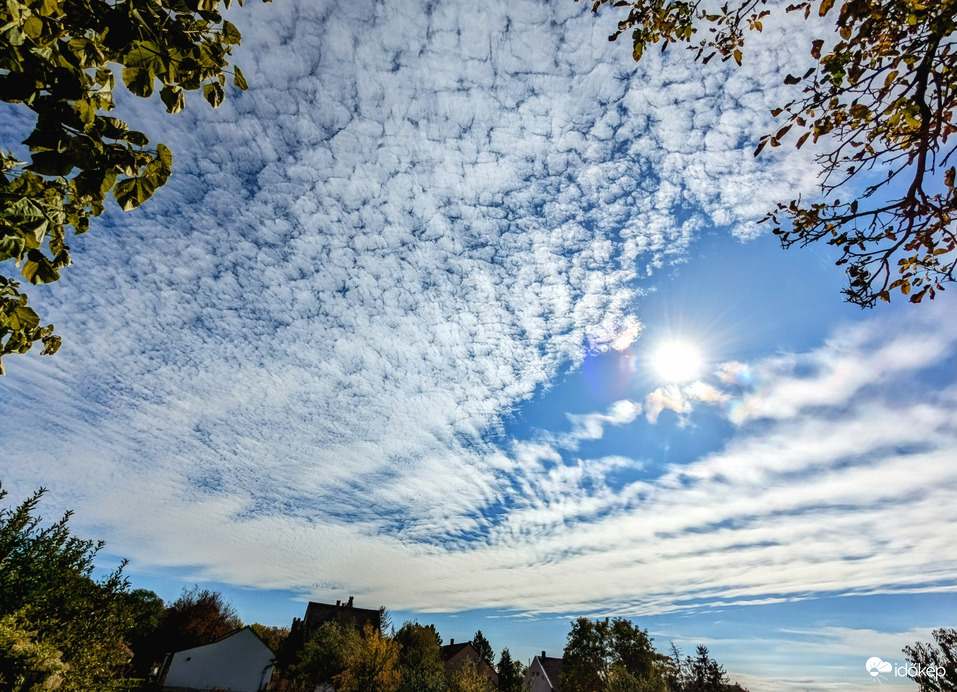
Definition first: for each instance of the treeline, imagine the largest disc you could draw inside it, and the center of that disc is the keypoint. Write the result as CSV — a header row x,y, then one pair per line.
x,y
60,629
409,659
617,656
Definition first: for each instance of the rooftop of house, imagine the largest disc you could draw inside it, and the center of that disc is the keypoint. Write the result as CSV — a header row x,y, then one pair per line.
x,y
343,612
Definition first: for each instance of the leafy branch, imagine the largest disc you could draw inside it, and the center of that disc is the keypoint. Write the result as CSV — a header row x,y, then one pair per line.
x,y
883,99
55,60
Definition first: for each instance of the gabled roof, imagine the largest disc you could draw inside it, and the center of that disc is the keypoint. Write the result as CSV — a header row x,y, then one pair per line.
x,y
227,636
552,668
449,651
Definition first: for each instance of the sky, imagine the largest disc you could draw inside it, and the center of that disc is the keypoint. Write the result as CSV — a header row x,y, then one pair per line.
x,y
390,331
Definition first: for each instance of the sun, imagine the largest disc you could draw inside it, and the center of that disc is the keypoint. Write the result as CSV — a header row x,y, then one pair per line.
x,y
677,361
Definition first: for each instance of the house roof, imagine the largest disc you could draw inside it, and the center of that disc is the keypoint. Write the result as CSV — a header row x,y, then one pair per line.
x,y
227,636
449,651
343,613
465,651
553,670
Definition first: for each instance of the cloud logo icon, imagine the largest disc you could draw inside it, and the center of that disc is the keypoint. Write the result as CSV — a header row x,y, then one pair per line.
x,y
876,666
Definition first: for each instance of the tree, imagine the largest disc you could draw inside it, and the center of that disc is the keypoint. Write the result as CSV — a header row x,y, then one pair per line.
x,y
197,617
271,635
585,659
55,60
621,680
420,658
308,659
511,673
385,620
703,673
933,666
59,628
147,609
372,664
699,674
468,679
27,662
881,100
481,645
603,651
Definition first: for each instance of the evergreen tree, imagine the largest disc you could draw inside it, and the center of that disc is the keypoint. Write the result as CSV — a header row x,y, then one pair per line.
x,y
511,673
482,646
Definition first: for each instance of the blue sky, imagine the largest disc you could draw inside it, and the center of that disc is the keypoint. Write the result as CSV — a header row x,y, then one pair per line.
x,y
388,332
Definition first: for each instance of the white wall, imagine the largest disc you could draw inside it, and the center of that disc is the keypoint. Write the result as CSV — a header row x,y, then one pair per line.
x,y
239,663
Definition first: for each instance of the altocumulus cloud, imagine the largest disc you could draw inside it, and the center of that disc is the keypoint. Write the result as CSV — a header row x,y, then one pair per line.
x,y
289,369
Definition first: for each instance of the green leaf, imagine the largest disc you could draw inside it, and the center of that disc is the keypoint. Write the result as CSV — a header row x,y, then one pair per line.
x,y
231,34
164,156
146,55
137,138
173,98
113,128
51,163
214,94
132,192
11,246
15,36
34,232
23,317
33,27
139,80
38,270
239,80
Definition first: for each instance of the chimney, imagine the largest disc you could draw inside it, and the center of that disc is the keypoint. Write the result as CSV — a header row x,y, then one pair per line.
x,y
451,642
543,654
337,602
350,601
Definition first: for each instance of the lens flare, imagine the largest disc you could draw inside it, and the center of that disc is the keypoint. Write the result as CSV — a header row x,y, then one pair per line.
x,y
677,361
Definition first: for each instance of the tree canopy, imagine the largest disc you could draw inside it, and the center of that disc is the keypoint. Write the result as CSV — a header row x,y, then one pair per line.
x,y
56,59
309,658
372,664
420,658
511,673
934,665
880,103
482,646
59,628
609,655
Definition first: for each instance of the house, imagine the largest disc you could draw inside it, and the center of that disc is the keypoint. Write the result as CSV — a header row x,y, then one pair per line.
x,y
239,662
343,613
543,674
456,656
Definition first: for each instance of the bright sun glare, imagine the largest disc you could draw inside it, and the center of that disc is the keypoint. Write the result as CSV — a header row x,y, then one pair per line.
x,y
677,361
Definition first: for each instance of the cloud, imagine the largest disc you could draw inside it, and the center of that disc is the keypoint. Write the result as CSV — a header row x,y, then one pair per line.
x,y
591,426
681,399
292,368
669,397
860,357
